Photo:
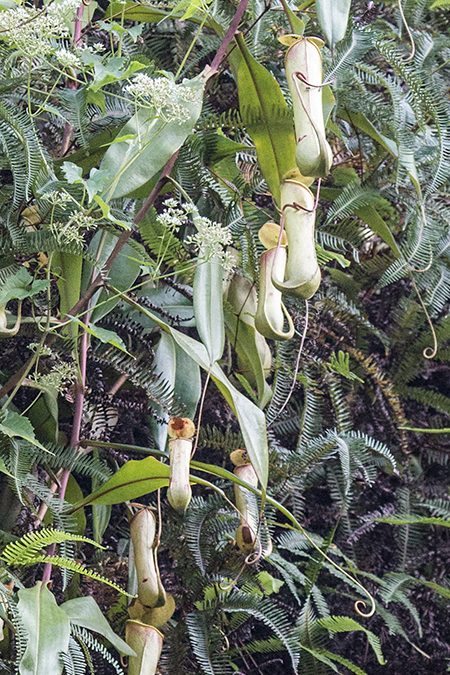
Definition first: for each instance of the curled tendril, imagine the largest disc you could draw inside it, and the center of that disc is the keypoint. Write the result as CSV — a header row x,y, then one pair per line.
x,y
299,207
349,576
251,559
360,603
254,556
227,642
228,587
428,352
309,84
297,365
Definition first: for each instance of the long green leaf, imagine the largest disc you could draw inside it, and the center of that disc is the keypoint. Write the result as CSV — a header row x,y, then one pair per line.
x,y
345,624
134,479
372,218
266,116
208,306
85,612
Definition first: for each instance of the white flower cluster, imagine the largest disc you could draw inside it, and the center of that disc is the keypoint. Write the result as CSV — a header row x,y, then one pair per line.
x,y
44,351
55,198
164,95
174,215
67,59
60,376
211,239
31,31
71,232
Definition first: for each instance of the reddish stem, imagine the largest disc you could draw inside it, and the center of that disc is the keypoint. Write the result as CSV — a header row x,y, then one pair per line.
x,y
229,35
98,281
68,128
76,428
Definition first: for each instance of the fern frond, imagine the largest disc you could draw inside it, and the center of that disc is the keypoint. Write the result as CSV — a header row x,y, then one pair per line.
x,y
25,550
345,624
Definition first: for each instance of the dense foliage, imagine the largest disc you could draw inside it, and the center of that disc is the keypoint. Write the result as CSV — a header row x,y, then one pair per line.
x,y
142,149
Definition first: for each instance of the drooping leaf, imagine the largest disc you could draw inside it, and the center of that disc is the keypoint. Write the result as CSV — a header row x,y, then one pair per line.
x,y
243,336
251,419
188,383
333,19
21,285
345,624
134,479
372,218
208,306
102,334
68,267
18,426
122,274
85,612
48,630
165,365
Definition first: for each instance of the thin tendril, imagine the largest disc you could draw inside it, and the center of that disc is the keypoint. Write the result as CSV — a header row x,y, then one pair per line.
x,y
297,366
424,222
428,352
408,30
200,412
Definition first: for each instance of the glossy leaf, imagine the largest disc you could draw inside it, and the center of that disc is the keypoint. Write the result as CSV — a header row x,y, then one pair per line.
x,y
333,18
132,163
20,285
48,630
68,268
372,218
243,336
86,613
266,116
134,11
208,306
406,160
102,334
132,480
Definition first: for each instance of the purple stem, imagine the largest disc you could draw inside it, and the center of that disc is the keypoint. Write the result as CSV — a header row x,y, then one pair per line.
x,y
229,35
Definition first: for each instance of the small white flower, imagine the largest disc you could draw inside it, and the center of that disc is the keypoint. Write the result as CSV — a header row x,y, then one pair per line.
x,y
44,351
67,59
164,95
174,215
97,47
32,31
55,198
71,231
58,378
211,239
